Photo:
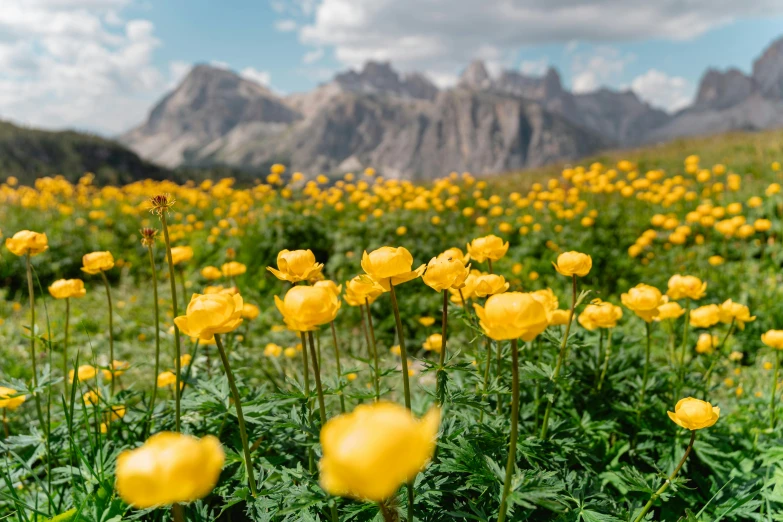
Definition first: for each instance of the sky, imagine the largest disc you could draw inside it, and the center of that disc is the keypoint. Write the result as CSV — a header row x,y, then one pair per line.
x,y
101,65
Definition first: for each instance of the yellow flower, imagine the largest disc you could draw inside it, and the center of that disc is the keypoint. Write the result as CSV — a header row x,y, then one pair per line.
x,y
715,260
489,284
426,321
600,314
27,242
681,287
219,289
96,262
573,264
706,343
306,307
272,350
211,314
705,316
456,253
351,377
512,315
233,268
389,265
444,272
559,317
370,452
185,359
434,342
644,301
694,414
85,372
66,288
488,247
736,356
296,265
735,312
91,398
290,352
167,379
9,399
548,300
117,369
249,311
330,285
181,254
773,339
395,350
360,288
169,468
671,310
211,273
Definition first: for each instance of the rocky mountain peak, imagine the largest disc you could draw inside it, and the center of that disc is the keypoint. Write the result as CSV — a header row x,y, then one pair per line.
x,y
719,90
381,78
768,70
475,76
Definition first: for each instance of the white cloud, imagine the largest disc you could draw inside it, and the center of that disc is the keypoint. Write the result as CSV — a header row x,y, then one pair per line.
x,y
286,26
534,67
670,93
600,67
441,37
313,56
77,63
255,75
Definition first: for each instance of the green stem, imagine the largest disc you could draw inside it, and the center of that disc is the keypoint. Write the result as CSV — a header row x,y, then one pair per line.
x,y
645,374
182,283
665,485
172,281
178,513
157,339
33,356
512,445
405,381
339,369
681,370
489,265
486,376
111,330
306,371
65,344
606,359
364,329
560,357
371,328
441,389
240,417
538,385
773,391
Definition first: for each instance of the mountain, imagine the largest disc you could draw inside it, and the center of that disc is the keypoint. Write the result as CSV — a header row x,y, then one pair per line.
x,y
406,126
29,154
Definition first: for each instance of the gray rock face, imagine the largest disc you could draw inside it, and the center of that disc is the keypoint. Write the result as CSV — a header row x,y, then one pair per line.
x,y
408,127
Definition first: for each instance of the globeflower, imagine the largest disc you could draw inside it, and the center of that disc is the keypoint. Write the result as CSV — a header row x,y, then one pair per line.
x,y
682,287
9,398
97,262
512,315
600,314
27,242
643,300
456,253
369,453
85,372
233,269
296,265
211,314
694,414
433,343
361,288
250,311
773,339
329,285
488,247
548,300
737,313
390,266
181,254
304,308
573,264
489,284
705,316
444,272
67,288
706,343
669,310
211,273
559,317
169,468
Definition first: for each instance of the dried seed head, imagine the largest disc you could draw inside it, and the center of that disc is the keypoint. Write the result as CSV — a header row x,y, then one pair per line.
x,y
231,253
161,203
148,236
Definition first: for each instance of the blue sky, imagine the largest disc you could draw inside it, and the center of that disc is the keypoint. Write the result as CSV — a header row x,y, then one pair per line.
x,y
100,65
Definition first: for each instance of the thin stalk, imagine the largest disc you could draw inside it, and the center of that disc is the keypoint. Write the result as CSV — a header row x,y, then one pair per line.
x,y
306,372
371,328
665,485
606,359
181,273
681,369
389,513
339,369
6,431
172,280
33,356
405,381
364,329
489,265
645,373
560,357
65,344
512,445
178,513
240,417
499,370
157,338
441,389
773,391
111,330
538,385
486,375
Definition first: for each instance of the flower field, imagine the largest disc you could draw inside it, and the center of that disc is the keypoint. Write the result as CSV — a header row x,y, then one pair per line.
x,y
594,343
